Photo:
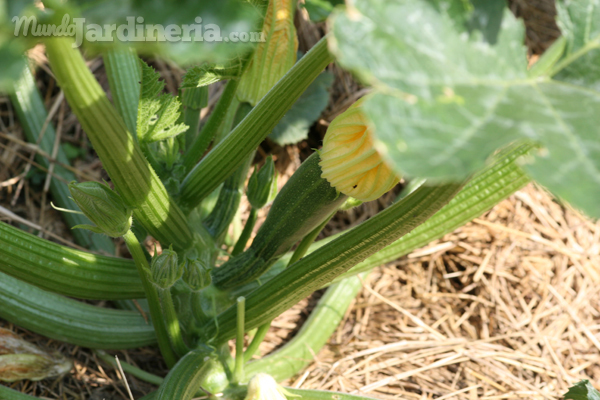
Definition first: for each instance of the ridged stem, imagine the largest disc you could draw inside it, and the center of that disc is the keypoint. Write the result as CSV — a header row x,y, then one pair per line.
x,y
240,245
308,240
172,323
71,321
225,157
30,109
185,377
158,321
124,75
209,130
64,270
297,353
120,154
259,336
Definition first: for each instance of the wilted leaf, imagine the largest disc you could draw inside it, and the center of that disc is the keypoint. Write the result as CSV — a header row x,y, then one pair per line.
x,y
20,360
449,94
294,125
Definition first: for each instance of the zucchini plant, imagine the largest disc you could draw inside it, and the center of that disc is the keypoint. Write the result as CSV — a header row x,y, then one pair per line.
x,y
453,104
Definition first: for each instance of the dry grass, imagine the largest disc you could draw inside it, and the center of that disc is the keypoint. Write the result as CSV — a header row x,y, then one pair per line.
x,y
505,307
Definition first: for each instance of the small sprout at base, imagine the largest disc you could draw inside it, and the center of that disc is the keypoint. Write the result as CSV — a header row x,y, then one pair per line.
x,y
349,159
103,206
165,269
196,275
262,186
263,387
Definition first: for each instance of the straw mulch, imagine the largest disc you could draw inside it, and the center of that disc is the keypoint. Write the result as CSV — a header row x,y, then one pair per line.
x,y
505,307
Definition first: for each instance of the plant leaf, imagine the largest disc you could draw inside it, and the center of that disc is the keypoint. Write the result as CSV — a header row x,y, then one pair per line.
x,y
12,49
319,10
205,74
294,125
158,112
448,95
217,20
582,390
579,22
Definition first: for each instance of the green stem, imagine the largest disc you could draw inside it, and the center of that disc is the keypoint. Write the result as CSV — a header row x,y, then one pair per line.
x,y
259,336
124,75
228,121
240,245
548,60
310,394
199,146
31,111
130,369
296,354
193,101
238,373
11,394
120,154
64,270
153,299
185,377
220,218
172,323
71,321
325,264
225,157
308,240
152,160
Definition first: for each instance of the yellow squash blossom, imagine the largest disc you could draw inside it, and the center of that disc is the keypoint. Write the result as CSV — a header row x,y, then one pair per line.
x,y
349,160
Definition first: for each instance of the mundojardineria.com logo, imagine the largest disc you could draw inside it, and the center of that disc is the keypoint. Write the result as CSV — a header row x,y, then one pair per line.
x,y
135,30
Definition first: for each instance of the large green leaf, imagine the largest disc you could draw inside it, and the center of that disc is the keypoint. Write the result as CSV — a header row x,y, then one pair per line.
x,y
579,22
582,390
12,61
212,22
294,125
449,92
319,10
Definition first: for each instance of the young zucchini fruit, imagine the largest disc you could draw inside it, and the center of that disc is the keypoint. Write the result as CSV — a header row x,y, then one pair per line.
x,y
303,203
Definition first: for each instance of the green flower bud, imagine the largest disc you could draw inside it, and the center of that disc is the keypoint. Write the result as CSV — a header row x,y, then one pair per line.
x,y
103,207
196,275
262,186
165,270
